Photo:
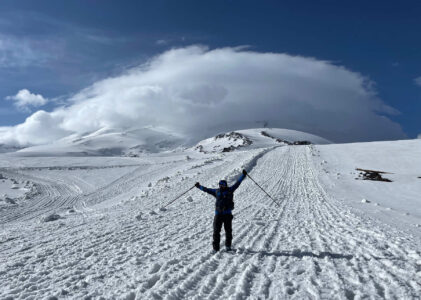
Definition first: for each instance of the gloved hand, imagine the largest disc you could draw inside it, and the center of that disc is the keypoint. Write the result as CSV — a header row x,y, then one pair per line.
x,y
244,172
197,185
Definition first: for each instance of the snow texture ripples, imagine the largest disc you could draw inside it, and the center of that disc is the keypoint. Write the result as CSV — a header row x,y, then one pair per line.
x,y
311,247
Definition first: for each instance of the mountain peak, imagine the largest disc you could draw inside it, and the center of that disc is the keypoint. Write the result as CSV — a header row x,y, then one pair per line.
x,y
257,138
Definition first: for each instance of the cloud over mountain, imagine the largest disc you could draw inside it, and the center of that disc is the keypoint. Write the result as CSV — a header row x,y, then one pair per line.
x,y
24,99
199,92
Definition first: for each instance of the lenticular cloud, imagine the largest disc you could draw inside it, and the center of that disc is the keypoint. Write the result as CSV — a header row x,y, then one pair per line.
x,y
198,92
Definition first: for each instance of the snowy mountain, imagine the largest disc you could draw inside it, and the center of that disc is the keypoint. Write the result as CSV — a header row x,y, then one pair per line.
x,y
117,228
132,142
109,142
257,138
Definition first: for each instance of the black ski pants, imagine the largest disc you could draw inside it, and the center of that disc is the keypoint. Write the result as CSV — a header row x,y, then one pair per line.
x,y
226,220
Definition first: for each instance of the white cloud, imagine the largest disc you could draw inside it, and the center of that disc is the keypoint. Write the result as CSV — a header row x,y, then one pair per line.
x,y
200,92
39,128
24,99
418,81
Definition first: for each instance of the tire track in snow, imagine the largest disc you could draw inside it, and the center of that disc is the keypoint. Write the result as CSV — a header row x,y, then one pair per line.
x,y
308,250
323,227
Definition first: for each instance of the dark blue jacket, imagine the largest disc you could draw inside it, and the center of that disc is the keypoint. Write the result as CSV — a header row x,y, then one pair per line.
x,y
224,198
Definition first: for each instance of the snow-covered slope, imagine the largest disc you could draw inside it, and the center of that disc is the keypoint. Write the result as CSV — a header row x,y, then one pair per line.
x,y
256,138
132,142
95,227
109,142
397,202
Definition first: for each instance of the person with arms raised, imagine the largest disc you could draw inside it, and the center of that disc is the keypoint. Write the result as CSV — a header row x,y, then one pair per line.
x,y
224,205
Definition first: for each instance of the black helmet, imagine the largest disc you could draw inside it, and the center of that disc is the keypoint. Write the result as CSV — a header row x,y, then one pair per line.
x,y
223,184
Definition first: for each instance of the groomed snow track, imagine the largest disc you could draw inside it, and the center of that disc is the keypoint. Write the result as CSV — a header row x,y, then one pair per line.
x,y
311,247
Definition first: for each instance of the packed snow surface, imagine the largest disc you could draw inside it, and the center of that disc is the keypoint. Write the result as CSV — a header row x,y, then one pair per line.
x,y
398,202
96,227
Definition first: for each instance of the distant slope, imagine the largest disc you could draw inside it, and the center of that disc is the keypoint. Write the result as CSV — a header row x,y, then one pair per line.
x,y
257,138
108,142
132,142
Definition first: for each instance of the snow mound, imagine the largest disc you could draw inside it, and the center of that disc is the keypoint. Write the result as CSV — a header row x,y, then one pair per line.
x,y
257,138
10,200
224,142
52,217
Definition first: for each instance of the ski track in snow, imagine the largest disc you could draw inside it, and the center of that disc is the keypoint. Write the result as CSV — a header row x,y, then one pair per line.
x,y
310,247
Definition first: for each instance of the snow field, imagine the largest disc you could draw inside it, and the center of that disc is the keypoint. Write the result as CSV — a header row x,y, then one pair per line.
x,y
312,246
397,203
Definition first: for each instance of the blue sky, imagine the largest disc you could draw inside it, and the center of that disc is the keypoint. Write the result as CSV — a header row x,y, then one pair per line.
x,y
56,48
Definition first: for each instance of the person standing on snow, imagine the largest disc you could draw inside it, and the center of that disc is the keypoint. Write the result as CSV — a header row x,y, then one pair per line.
x,y
223,210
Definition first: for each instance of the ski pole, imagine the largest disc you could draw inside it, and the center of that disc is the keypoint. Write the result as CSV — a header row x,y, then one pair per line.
x,y
179,196
263,190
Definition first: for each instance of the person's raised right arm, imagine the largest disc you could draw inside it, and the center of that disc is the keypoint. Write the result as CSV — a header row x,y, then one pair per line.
x,y
205,189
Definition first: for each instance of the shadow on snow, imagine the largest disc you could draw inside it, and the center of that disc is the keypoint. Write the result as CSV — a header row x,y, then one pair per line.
x,y
299,254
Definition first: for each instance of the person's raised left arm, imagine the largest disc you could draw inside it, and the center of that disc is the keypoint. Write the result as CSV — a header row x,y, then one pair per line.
x,y
237,184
